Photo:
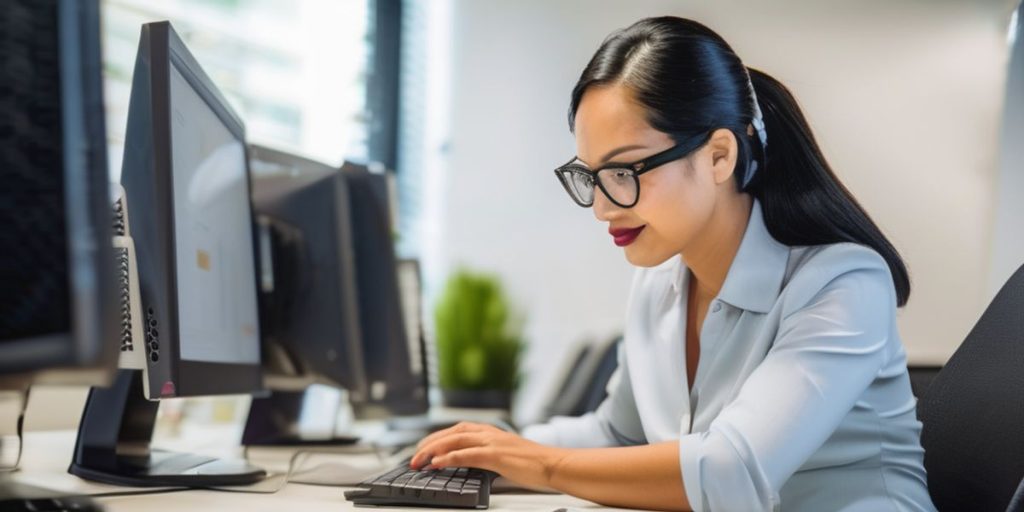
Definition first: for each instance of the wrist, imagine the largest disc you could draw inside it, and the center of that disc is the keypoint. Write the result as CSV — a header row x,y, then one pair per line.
x,y
553,460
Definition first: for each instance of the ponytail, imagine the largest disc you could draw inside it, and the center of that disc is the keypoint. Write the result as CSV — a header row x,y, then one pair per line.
x,y
803,201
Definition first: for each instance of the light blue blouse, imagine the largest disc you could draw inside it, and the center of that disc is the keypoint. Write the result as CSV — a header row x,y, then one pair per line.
x,y
801,399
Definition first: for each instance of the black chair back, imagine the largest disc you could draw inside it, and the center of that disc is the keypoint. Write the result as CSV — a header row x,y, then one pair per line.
x,y
973,412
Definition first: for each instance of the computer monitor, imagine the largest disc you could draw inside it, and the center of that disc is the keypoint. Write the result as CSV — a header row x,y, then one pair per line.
x,y
58,314
308,280
394,388
186,181
58,309
310,310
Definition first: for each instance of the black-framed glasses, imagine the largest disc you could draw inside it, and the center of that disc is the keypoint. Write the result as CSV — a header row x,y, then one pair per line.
x,y
620,182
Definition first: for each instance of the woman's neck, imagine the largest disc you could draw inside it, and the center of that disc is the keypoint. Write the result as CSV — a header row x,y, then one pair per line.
x,y
710,254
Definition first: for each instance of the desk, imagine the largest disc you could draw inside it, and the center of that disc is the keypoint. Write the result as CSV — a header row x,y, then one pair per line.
x,y
47,455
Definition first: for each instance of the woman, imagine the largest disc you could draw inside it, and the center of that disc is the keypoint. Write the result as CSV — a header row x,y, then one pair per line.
x,y
761,365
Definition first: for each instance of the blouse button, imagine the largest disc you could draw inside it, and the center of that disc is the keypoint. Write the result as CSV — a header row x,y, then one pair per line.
x,y
716,307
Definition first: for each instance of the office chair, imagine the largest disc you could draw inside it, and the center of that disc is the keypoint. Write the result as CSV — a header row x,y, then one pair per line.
x,y
1017,503
597,390
921,376
571,388
584,386
973,413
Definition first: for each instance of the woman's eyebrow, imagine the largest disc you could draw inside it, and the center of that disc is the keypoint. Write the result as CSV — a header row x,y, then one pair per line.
x,y
608,156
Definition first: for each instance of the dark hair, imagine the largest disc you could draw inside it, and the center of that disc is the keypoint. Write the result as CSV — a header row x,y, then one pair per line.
x,y
690,82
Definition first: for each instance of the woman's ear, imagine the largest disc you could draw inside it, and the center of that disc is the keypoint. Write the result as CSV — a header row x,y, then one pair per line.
x,y
724,150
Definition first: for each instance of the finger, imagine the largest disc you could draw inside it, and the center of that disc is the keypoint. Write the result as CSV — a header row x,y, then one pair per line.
x,y
444,445
460,427
422,456
482,457
455,429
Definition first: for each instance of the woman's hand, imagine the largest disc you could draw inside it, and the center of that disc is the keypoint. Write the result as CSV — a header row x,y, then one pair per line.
x,y
487,447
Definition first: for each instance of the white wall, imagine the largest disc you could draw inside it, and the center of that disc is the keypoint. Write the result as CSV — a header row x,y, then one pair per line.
x,y
905,100
1007,239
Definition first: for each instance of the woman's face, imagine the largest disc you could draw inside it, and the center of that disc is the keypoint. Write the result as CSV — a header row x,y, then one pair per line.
x,y
677,199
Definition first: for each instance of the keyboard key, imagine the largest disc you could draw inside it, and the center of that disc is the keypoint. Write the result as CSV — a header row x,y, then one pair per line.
x,y
402,479
386,477
417,484
455,485
380,488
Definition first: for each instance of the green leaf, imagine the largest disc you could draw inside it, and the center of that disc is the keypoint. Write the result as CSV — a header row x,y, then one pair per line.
x,y
478,338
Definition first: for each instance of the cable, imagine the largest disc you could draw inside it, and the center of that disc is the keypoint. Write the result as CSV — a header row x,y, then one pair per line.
x,y
378,450
292,462
21,434
114,494
287,476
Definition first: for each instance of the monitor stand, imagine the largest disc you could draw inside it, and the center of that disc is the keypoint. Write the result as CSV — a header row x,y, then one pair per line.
x,y
275,420
113,445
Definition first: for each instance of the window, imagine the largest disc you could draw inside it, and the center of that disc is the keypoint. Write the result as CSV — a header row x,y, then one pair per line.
x,y
296,72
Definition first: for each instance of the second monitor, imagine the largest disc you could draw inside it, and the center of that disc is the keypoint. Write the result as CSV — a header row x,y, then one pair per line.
x,y
332,311
310,306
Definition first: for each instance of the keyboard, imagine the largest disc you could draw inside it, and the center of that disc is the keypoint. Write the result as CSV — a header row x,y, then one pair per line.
x,y
18,497
446,488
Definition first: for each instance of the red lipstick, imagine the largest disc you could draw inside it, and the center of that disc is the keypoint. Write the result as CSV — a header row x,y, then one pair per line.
x,y
625,236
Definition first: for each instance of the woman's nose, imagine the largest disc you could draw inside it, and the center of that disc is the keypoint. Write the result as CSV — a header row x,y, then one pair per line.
x,y
604,210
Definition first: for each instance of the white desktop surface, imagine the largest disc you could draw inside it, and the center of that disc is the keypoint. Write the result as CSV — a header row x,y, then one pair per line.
x,y
47,455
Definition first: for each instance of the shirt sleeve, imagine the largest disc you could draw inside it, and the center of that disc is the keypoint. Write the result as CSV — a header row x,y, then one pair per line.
x,y
616,421
825,355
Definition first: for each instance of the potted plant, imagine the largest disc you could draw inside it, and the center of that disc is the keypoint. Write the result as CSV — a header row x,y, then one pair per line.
x,y
478,342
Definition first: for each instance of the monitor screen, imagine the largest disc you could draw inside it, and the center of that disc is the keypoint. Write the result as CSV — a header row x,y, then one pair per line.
x,y
34,296
217,310
56,261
